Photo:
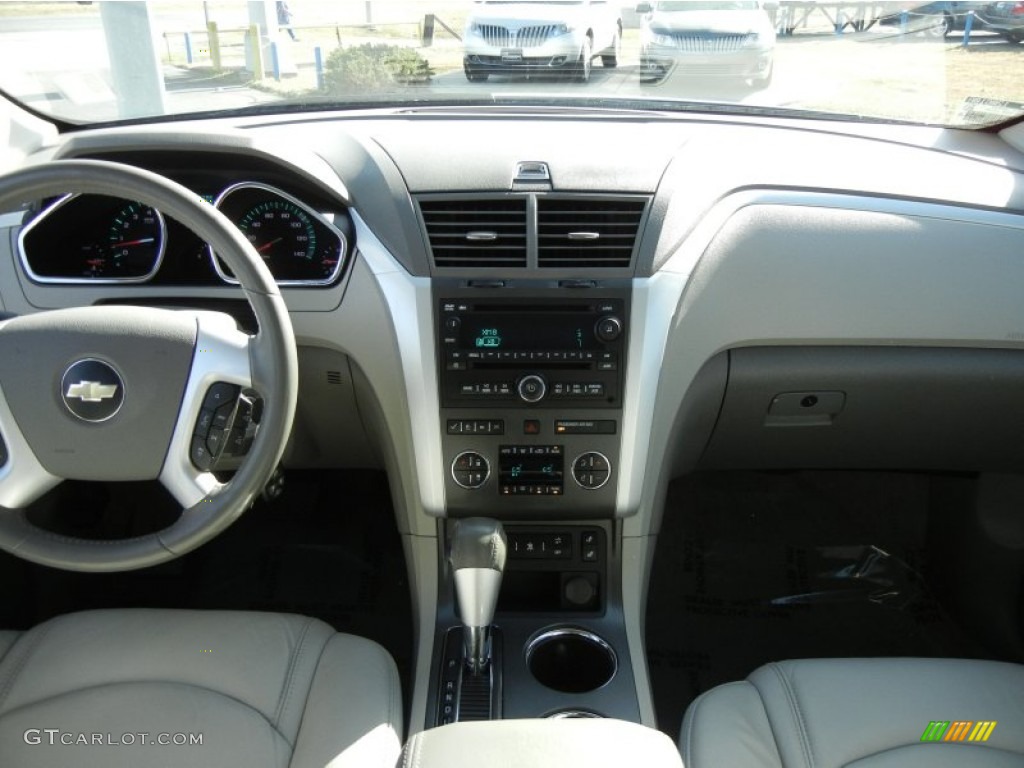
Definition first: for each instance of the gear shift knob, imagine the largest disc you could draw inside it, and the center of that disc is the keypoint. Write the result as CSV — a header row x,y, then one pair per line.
x,y
478,553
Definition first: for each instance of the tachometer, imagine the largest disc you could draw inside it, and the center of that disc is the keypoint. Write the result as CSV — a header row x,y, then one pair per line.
x,y
135,242
299,245
93,239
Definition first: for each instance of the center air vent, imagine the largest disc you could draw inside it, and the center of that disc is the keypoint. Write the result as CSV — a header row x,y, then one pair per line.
x,y
581,232
476,233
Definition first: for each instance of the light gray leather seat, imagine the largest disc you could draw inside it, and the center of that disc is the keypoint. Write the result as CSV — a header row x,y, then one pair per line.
x,y
104,688
860,713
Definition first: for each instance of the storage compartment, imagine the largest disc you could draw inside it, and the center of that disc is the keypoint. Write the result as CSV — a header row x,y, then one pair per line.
x,y
536,743
571,660
915,408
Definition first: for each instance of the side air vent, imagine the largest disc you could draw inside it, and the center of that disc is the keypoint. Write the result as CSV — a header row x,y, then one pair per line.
x,y
582,232
476,233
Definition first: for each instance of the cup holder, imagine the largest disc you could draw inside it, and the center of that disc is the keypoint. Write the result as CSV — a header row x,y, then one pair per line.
x,y
571,660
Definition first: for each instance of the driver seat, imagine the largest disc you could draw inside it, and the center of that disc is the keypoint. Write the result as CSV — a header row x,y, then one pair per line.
x,y
138,687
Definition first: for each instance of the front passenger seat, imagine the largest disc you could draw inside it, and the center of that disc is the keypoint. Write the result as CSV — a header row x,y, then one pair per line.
x,y
861,713
139,687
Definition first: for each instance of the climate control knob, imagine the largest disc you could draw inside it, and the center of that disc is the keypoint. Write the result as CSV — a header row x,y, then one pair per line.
x,y
532,388
470,470
591,470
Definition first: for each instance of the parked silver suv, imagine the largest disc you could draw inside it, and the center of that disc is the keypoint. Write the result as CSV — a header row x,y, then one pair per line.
x,y
541,37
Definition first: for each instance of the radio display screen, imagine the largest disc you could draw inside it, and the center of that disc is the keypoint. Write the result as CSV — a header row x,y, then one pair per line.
x,y
527,332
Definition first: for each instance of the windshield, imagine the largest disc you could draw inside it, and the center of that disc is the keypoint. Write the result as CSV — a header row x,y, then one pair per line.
x,y
699,5
950,63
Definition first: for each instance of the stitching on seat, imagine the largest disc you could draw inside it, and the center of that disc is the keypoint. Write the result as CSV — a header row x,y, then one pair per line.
x,y
289,680
31,645
794,704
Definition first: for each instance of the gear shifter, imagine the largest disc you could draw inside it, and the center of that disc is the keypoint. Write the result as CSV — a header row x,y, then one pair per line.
x,y
478,556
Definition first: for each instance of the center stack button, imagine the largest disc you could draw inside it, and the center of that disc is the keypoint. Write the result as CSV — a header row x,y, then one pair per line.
x,y
532,388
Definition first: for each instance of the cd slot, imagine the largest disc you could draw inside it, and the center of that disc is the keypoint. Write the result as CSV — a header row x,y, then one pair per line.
x,y
478,365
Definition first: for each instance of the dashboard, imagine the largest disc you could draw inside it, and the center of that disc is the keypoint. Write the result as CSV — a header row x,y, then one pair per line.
x,y
517,322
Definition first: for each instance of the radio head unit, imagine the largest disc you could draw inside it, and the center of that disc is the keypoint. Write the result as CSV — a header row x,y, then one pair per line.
x,y
541,353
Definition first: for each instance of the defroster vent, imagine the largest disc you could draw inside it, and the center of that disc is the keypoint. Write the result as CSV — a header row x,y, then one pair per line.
x,y
583,232
476,232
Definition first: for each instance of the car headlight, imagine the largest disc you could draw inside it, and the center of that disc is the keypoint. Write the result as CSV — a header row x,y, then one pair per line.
x,y
752,40
472,29
660,38
564,29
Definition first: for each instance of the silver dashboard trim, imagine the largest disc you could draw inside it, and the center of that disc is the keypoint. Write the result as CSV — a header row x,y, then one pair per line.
x,y
46,212
221,354
342,240
410,304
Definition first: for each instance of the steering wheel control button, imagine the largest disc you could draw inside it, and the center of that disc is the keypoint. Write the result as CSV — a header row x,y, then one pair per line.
x,y
215,441
608,328
226,426
200,454
220,393
532,388
591,470
204,422
470,470
92,390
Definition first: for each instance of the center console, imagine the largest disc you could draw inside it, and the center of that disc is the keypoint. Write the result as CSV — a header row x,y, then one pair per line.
x,y
531,381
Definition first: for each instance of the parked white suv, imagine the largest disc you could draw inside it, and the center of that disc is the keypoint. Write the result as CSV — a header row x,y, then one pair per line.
x,y
540,37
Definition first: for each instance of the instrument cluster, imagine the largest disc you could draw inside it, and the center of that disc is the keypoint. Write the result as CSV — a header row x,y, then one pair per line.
x,y
91,239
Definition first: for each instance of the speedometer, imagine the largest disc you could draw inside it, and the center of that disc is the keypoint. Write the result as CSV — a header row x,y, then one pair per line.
x,y
299,246
281,232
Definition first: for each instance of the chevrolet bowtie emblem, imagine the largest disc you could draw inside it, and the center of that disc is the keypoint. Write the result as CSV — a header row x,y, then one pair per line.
x,y
91,391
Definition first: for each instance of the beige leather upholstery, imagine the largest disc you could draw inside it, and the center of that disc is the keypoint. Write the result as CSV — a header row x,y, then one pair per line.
x,y
583,743
859,713
258,689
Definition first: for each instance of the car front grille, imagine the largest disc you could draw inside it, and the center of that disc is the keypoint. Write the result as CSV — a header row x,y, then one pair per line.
x,y
524,37
709,42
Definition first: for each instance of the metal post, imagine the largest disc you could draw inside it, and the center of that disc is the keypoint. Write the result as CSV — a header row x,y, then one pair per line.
x,y
428,30
256,51
275,62
188,48
839,22
318,57
369,11
904,22
968,25
214,41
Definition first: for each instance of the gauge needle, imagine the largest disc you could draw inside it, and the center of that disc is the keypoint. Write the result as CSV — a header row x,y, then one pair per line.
x,y
126,243
267,246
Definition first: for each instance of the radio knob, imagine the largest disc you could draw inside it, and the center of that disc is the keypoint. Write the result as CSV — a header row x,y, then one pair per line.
x,y
608,328
532,388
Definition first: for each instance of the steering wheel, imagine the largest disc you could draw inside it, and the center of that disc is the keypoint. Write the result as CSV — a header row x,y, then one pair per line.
x,y
115,393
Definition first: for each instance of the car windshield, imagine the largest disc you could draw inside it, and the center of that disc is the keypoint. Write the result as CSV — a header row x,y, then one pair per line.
x,y
698,5
945,63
